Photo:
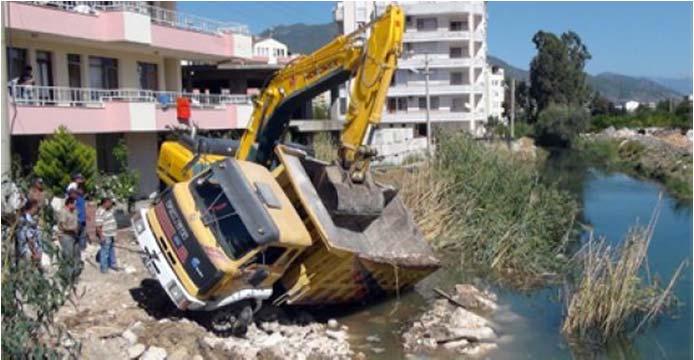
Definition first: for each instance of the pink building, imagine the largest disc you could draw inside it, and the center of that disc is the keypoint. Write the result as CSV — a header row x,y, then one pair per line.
x,y
110,71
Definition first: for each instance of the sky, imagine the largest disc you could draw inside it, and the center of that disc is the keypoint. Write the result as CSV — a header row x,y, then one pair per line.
x,y
632,38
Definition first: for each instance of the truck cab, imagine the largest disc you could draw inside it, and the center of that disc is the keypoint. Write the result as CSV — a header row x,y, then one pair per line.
x,y
222,237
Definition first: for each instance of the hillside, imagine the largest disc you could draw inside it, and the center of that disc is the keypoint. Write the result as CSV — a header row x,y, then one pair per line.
x,y
302,38
616,87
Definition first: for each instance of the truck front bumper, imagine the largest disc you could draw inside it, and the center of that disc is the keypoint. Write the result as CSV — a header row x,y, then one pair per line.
x,y
157,265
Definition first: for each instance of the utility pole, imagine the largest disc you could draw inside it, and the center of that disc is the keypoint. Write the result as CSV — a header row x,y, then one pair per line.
x,y
426,90
513,107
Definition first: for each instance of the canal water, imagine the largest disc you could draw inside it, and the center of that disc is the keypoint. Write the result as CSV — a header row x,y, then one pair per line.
x,y
529,324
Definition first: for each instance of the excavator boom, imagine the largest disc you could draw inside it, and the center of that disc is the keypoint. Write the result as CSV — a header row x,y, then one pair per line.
x,y
371,62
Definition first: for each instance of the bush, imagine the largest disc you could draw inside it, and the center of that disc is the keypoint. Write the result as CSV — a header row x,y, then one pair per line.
x,y
559,125
62,155
615,294
122,186
647,118
31,298
507,221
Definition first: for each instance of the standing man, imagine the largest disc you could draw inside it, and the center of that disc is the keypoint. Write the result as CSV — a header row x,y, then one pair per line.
x,y
37,193
76,190
106,228
29,245
69,243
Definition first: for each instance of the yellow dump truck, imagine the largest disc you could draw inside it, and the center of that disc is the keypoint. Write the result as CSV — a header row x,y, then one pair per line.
x,y
249,220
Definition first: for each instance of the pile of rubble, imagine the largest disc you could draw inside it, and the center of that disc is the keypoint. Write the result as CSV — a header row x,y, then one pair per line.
x,y
451,325
669,139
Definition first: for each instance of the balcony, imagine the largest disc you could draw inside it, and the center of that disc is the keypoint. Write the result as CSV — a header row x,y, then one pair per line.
x,y
435,116
41,109
441,88
132,22
440,7
417,62
442,35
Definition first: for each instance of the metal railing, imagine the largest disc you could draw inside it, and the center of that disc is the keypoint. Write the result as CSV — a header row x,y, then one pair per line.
x,y
158,15
67,96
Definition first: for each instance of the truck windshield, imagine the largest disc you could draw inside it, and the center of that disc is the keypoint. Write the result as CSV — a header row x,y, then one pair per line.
x,y
220,216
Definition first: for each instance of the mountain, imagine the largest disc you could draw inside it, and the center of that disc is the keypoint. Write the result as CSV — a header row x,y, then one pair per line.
x,y
616,87
302,38
682,85
621,88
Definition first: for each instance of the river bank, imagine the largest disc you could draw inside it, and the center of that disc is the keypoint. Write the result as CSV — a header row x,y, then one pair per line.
x,y
656,154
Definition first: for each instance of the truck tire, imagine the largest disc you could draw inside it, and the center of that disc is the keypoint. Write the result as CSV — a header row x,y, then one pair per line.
x,y
231,320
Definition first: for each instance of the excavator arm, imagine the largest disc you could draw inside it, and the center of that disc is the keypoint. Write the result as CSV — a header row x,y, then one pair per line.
x,y
370,63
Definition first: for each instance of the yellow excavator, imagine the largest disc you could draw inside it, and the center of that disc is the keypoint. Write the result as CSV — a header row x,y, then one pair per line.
x,y
245,221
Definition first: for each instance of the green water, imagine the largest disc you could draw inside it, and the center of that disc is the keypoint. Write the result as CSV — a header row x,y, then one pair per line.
x,y
528,324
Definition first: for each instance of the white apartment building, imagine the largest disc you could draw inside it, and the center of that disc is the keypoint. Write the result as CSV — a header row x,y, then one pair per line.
x,y
449,37
270,50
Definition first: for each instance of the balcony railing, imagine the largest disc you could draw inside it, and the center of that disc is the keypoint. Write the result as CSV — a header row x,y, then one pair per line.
x,y
66,96
158,15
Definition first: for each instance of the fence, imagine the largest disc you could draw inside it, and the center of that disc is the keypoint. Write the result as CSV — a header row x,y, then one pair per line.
x,y
158,15
66,96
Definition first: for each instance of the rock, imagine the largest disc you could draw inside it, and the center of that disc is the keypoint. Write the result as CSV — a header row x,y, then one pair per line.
x,y
360,356
478,349
135,351
179,354
333,324
482,333
198,357
373,338
154,353
378,350
273,353
336,334
472,297
130,270
451,345
129,336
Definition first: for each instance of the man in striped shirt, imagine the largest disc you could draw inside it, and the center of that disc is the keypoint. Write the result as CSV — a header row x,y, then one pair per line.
x,y
106,228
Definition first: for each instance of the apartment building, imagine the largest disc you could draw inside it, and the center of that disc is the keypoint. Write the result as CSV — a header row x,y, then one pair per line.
x,y
109,71
450,39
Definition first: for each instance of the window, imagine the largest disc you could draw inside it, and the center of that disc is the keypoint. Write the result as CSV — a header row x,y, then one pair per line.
x,y
456,78
402,104
44,69
433,103
421,130
458,105
148,75
456,53
457,26
392,105
105,160
221,218
17,61
103,72
427,24
74,70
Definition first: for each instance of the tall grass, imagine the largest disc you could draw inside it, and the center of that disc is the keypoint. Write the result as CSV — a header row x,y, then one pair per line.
x,y
615,294
507,221
324,146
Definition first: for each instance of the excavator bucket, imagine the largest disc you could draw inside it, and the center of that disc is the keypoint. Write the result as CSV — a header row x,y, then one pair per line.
x,y
349,260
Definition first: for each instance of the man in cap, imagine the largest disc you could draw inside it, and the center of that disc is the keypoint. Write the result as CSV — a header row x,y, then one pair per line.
x,y
76,191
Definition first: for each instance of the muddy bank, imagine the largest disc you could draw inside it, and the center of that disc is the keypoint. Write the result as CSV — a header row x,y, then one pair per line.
x,y
652,153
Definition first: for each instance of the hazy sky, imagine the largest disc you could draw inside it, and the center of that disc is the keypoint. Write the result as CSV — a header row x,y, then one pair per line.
x,y
633,38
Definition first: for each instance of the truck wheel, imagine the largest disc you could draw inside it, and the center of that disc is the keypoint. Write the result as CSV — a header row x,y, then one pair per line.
x,y
231,320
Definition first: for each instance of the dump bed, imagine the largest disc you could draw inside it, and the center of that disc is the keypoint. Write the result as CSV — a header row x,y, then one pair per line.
x,y
350,264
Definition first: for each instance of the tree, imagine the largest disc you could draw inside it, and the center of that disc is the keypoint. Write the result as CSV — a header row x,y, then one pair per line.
x,y
559,125
600,105
122,186
62,155
556,72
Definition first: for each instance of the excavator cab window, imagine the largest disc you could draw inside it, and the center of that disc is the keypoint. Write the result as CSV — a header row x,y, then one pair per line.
x,y
221,217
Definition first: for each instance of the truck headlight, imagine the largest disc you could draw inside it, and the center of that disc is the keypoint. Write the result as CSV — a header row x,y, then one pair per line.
x,y
177,295
138,224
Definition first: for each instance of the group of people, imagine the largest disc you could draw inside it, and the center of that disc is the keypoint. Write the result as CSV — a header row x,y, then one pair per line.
x,y
71,221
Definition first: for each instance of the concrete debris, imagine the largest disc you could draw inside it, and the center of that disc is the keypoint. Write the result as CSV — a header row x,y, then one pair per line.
x,y
333,324
452,327
135,351
154,353
373,338
129,336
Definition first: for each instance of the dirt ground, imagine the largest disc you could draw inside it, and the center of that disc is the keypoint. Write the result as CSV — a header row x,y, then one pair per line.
x,y
125,314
